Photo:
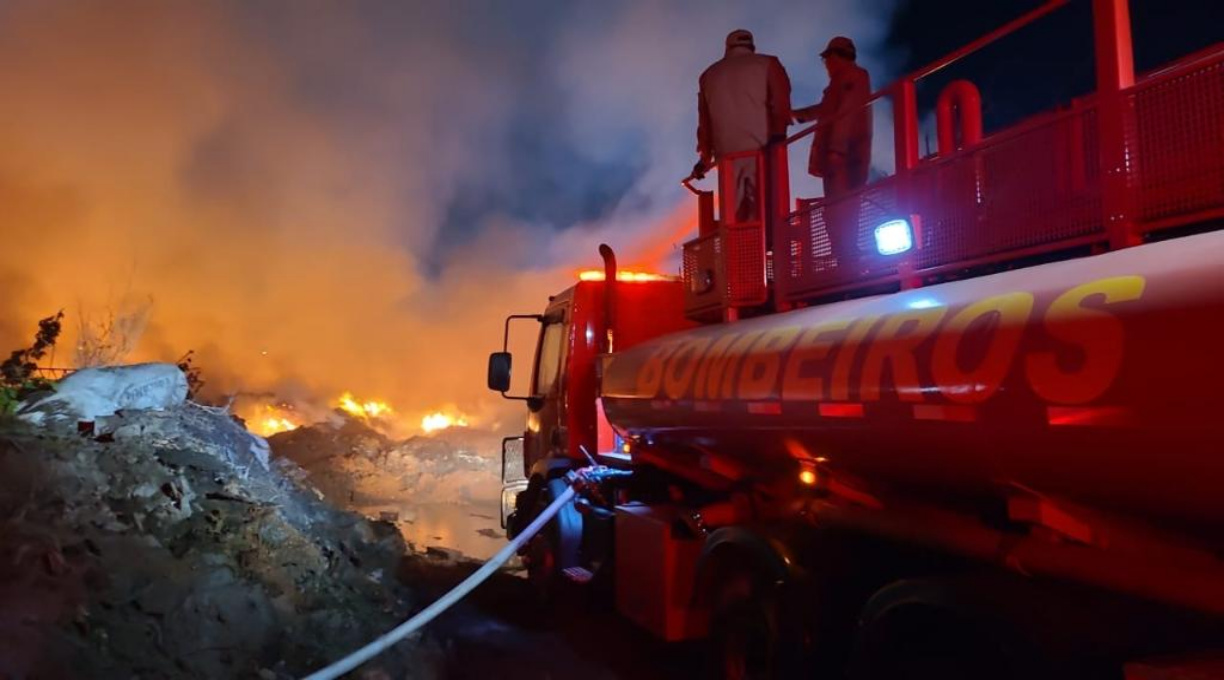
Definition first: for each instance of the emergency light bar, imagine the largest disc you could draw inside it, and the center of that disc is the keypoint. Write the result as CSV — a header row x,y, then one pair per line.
x,y
622,275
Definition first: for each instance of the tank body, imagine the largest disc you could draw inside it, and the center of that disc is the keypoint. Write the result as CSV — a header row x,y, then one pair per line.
x,y
1095,380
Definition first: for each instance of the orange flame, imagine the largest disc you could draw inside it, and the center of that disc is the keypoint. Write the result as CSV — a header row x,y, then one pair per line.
x,y
364,410
273,420
273,425
440,421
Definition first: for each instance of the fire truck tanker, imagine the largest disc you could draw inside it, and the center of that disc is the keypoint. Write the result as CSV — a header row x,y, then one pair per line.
x,y
988,448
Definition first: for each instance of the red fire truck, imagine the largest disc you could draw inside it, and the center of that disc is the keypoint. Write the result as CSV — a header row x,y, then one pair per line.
x,y
984,447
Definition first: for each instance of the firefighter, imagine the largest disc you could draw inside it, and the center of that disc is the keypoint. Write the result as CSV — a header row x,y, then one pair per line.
x,y
743,105
841,146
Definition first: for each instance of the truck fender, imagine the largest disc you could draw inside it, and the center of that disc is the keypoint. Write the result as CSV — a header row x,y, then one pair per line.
x,y
541,478
569,528
768,557
558,546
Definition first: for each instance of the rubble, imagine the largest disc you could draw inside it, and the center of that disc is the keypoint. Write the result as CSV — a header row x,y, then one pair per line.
x,y
357,465
193,433
443,490
164,543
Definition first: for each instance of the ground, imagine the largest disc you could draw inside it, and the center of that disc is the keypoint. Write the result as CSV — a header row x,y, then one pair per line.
x,y
438,490
500,631
163,548
441,491
157,544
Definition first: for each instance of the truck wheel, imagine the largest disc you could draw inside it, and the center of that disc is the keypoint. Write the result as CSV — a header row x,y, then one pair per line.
x,y
986,625
556,547
751,637
923,644
935,630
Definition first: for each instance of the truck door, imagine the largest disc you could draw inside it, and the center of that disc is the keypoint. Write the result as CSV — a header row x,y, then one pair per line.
x,y
545,425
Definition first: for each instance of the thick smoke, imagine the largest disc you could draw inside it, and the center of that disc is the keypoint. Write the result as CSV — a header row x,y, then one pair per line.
x,y
320,197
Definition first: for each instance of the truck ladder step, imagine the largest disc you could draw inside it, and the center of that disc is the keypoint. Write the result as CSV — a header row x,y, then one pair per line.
x,y
577,575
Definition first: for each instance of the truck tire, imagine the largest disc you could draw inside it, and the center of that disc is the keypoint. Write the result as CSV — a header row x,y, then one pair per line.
x,y
752,637
919,643
556,547
954,630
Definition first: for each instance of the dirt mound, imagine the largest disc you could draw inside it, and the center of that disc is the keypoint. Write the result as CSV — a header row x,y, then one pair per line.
x,y
355,466
440,490
161,545
313,446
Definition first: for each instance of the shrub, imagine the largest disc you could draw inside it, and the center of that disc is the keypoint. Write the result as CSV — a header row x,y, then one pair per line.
x,y
195,380
107,339
19,373
8,400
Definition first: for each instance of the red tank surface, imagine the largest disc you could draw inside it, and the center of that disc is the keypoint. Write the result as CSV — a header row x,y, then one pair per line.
x,y
1095,380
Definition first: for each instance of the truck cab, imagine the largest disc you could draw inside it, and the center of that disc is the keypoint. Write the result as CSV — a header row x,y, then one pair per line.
x,y
564,415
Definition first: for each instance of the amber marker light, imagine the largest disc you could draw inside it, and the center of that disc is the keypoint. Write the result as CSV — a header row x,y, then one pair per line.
x,y
808,477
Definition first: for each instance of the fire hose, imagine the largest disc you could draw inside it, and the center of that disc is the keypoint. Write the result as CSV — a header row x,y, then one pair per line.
x,y
457,593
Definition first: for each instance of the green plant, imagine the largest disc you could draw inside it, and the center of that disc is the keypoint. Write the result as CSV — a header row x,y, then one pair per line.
x,y
8,400
22,365
19,373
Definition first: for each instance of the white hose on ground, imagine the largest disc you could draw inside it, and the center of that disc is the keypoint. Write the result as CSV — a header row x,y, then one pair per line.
x,y
443,603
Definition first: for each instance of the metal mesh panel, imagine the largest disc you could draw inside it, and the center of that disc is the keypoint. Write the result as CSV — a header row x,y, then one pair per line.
x,y
724,270
812,241
702,290
744,265
1031,187
1179,137
727,269
798,251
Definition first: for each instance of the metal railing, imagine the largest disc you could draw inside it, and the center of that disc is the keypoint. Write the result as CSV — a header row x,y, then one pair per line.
x,y
1178,138
1133,158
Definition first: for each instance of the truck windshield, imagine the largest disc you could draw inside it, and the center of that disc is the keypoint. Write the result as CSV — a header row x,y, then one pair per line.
x,y
550,357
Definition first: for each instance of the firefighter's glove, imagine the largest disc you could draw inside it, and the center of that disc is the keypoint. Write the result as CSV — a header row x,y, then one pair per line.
x,y
699,170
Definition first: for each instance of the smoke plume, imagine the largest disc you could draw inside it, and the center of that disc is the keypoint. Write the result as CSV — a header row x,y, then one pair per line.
x,y
329,196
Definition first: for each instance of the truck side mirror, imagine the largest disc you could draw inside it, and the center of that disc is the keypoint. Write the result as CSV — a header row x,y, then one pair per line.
x,y
499,371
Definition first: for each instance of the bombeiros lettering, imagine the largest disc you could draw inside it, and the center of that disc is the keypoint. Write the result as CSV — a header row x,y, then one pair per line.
x,y
1080,319
762,366
1068,351
998,322
804,379
895,345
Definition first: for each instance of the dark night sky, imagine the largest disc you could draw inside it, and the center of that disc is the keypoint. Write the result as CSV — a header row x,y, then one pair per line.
x,y
1046,63
1163,29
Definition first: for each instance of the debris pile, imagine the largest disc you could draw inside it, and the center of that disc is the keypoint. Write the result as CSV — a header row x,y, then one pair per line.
x,y
354,464
165,543
441,490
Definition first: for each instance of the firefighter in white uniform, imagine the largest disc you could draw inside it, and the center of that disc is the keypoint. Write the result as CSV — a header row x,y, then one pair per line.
x,y
743,105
